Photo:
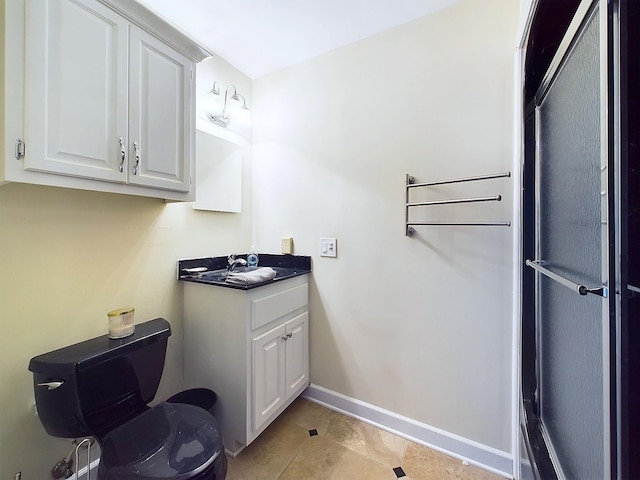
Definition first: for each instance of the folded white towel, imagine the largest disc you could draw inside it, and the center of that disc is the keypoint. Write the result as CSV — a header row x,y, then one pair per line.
x,y
259,275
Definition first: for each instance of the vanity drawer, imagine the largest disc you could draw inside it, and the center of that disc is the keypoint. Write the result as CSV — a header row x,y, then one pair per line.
x,y
271,307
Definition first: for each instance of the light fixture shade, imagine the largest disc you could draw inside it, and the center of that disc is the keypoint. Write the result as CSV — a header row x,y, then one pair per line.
x,y
242,116
212,101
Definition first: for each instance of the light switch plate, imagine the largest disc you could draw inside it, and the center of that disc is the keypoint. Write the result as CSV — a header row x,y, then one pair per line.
x,y
328,247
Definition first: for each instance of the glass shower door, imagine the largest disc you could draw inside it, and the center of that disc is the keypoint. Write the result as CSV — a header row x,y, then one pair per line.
x,y
572,256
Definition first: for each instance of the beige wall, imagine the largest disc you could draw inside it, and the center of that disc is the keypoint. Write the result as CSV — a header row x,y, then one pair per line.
x,y
419,326
69,256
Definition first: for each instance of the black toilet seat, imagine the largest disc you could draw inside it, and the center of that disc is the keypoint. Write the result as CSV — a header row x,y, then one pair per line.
x,y
168,441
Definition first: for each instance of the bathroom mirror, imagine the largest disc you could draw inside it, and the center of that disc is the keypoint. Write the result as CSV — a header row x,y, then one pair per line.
x,y
218,171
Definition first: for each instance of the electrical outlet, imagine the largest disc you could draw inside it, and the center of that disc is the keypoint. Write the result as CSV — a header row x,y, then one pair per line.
x,y
328,247
287,245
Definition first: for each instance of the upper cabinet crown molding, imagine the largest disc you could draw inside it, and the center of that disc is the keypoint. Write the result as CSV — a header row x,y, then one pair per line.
x,y
144,18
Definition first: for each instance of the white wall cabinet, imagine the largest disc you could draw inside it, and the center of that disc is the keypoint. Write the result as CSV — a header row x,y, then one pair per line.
x,y
108,100
76,102
161,120
249,346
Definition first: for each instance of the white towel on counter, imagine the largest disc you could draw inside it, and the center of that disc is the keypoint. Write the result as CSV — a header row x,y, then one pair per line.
x,y
262,274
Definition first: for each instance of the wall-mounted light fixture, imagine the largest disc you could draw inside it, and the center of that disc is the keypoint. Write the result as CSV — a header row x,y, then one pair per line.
x,y
234,105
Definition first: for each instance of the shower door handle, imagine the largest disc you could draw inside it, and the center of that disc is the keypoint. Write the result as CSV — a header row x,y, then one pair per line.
x,y
581,289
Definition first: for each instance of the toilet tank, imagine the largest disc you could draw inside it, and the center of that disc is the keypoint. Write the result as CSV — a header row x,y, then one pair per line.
x,y
94,386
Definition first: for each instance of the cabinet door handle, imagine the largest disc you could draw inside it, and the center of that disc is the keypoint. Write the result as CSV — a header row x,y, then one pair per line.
x,y
123,154
20,149
136,147
289,335
284,337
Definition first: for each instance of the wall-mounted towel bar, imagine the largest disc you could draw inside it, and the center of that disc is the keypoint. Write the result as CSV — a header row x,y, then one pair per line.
x,y
457,224
411,184
497,198
581,289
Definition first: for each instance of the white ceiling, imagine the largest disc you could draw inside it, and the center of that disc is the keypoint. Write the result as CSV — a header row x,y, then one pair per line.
x,y
261,36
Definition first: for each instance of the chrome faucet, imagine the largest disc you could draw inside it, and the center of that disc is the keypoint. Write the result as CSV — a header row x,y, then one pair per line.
x,y
234,262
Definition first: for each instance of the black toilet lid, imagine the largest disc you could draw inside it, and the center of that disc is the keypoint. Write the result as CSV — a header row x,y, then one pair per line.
x,y
171,441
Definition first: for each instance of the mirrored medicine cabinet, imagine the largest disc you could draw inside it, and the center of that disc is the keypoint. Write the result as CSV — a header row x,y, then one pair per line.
x,y
218,169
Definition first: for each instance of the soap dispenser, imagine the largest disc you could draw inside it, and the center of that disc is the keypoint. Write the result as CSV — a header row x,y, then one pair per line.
x,y
252,259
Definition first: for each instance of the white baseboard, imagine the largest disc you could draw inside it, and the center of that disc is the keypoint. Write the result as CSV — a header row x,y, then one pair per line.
x,y
488,458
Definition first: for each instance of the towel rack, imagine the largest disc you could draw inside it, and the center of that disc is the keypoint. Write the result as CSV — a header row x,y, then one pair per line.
x,y
410,184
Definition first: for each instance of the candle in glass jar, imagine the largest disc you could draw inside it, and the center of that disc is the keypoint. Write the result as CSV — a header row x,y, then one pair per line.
x,y
121,322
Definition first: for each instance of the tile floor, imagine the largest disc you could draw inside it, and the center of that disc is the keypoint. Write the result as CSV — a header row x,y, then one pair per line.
x,y
311,442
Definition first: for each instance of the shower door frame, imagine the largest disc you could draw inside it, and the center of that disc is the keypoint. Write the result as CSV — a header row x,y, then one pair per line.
x,y
539,449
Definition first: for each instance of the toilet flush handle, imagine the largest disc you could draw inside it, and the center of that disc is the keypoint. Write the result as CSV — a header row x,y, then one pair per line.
x,y
51,385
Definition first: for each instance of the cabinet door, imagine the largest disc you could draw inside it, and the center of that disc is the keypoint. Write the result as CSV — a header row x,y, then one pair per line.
x,y
297,354
268,392
76,89
160,122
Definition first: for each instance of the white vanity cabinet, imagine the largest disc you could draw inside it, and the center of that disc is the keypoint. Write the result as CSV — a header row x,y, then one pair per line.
x,y
107,99
249,346
280,367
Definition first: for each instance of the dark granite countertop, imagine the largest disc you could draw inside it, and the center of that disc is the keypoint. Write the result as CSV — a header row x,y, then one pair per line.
x,y
213,270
